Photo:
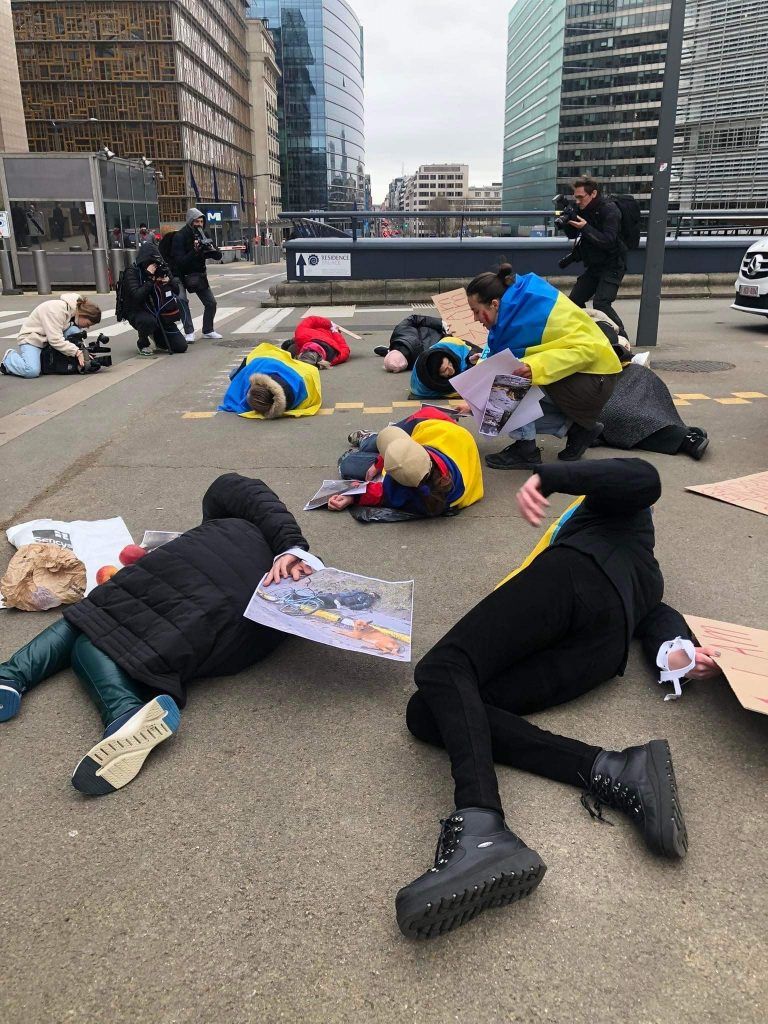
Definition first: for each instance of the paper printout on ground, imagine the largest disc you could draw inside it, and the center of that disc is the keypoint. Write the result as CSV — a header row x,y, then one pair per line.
x,y
743,658
156,538
340,609
454,309
474,386
746,491
507,392
331,487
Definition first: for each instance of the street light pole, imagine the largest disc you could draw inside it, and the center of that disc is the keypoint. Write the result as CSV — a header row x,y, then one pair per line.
x,y
650,299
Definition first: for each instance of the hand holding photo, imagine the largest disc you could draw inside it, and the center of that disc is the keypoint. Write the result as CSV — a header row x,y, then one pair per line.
x,y
331,487
340,609
507,392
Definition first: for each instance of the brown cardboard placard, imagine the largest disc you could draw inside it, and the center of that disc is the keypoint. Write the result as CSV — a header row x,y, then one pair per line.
x,y
743,658
746,491
454,309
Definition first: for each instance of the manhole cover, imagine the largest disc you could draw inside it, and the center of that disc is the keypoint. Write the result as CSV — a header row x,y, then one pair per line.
x,y
691,365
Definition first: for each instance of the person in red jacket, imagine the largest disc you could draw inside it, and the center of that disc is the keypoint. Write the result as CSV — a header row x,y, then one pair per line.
x,y
322,336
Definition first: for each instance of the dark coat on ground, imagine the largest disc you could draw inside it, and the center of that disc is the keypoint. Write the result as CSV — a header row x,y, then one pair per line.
x,y
415,335
639,406
614,526
177,614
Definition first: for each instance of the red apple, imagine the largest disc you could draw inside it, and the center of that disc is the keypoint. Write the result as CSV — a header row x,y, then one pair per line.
x,y
132,553
106,572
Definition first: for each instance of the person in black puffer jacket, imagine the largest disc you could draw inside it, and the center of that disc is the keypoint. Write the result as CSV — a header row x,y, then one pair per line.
x,y
410,338
149,295
191,248
138,640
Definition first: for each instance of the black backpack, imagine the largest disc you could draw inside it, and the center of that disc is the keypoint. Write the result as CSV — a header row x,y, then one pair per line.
x,y
119,298
629,229
54,362
165,245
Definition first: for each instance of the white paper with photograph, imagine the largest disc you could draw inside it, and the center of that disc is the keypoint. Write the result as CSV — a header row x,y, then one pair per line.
x,y
507,393
331,487
156,538
474,386
340,609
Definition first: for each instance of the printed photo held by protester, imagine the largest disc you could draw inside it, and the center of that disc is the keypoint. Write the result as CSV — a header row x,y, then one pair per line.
x,y
270,383
589,587
138,641
46,326
563,350
429,466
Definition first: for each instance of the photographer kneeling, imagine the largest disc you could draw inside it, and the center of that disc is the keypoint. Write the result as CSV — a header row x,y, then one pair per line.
x,y
190,249
150,302
46,326
596,226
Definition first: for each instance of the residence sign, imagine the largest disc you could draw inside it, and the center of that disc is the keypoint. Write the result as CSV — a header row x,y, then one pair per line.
x,y
324,264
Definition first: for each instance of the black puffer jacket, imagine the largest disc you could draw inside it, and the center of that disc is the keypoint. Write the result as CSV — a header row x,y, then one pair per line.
x,y
600,244
415,335
140,293
178,613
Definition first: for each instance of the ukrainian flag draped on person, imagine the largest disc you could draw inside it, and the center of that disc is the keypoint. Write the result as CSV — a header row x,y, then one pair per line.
x,y
544,329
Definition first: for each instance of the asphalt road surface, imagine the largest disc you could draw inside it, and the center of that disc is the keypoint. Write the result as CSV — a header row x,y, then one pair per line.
x,y
248,874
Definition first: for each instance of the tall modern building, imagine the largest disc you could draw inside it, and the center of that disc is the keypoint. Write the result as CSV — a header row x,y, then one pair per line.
x,y
13,130
264,74
583,90
167,80
721,145
319,46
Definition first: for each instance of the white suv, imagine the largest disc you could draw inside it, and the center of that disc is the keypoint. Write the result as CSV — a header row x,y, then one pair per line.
x,y
752,282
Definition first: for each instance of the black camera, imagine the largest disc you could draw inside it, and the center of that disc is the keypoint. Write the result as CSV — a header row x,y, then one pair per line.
x,y
99,347
566,208
161,270
574,256
206,244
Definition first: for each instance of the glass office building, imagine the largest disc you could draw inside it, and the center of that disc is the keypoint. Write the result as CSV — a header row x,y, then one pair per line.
x,y
319,47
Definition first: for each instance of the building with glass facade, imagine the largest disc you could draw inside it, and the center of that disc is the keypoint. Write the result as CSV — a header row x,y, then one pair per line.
x,y
166,79
721,144
319,45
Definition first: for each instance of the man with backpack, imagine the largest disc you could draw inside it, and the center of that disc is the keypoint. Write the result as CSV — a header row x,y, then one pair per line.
x,y
603,235
148,298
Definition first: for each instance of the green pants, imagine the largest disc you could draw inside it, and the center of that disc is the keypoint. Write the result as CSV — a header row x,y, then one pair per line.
x,y
62,646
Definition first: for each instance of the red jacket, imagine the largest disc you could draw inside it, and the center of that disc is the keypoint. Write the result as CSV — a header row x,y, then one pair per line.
x,y
317,328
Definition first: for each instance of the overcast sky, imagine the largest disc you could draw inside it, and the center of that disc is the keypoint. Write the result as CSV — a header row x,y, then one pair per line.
x,y
435,72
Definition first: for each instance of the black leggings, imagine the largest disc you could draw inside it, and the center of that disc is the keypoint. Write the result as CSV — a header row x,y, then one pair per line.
x,y
553,632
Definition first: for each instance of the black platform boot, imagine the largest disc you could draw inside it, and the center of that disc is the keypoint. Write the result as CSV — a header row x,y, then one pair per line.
x,y
579,439
695,443
640,781
479,863
520,455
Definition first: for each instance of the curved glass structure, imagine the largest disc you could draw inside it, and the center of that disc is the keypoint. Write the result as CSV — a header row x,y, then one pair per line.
x,y
319,46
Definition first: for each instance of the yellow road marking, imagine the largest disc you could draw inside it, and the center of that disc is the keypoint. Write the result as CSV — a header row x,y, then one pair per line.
x,y
732,401
748,394
679,401
405,405
198,415
326,411
695,396
349,405
377,408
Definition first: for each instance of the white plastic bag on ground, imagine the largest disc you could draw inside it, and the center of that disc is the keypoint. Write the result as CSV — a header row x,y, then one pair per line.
x,y
96,543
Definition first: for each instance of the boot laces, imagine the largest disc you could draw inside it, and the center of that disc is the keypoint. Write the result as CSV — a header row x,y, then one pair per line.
x,y
448,840
607,792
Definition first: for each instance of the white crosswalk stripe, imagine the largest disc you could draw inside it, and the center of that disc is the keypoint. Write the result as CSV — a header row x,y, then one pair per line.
x,y
14,312
265,322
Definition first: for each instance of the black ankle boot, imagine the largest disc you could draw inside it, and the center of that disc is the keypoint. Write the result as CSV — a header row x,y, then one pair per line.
x,y
579,439
694,444
479,863
640,781
520,455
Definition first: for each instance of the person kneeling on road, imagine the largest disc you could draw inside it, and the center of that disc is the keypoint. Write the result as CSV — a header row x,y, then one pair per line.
x,y
46,325
555,629
270,383
431,466
150,302
563,351
138,640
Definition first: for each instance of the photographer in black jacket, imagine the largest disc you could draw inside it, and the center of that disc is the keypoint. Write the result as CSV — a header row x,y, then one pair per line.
x,y
598,244
190,250
150,298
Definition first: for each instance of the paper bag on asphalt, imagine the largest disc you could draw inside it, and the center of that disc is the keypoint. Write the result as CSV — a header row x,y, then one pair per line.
x,y
745,491
42,576
743,658
340,609
476,383
455,311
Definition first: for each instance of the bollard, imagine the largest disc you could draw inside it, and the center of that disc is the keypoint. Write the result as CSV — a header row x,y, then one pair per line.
x,y
100,272
6,272
130,257
116,263
40,261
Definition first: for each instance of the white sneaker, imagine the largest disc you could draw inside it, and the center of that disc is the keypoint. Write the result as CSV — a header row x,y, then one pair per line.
x,y
213,334
190,338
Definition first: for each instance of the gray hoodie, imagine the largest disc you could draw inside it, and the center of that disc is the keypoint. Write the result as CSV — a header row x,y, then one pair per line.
x,y
193,214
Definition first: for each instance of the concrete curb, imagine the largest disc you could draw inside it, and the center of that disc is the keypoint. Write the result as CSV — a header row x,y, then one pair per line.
x,y
342,293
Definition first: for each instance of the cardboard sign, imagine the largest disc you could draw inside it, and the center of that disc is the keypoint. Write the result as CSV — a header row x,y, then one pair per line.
x,y
746,491
743,658
454,309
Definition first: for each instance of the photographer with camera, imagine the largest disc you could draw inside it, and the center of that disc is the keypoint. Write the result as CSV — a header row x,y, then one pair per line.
x,y
46,326
190,250
595,224
149,301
